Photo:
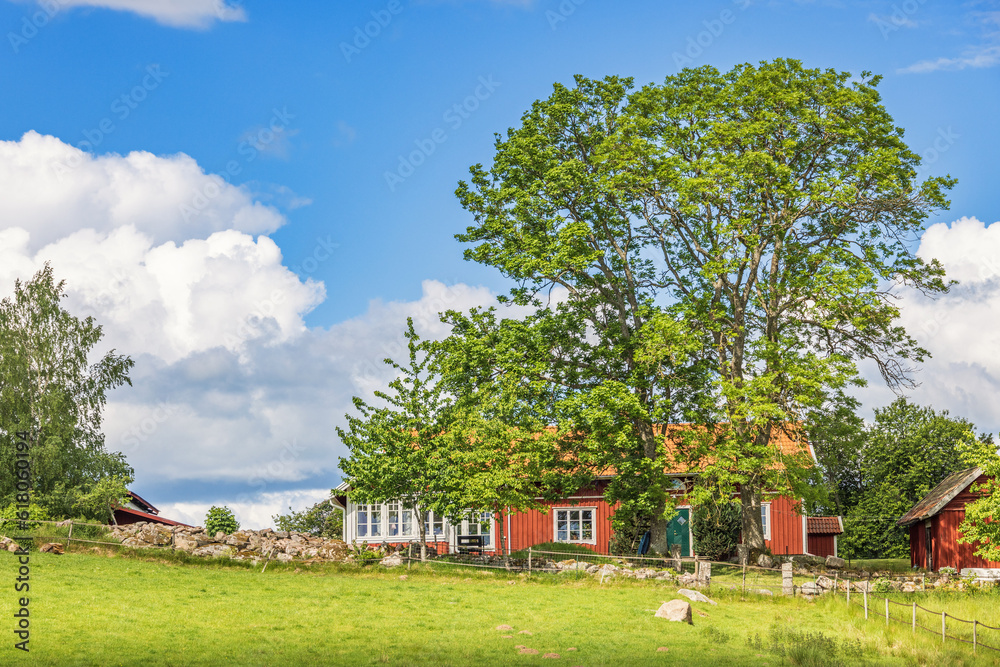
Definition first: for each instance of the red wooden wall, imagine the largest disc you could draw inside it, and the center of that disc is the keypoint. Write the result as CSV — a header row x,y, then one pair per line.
x,y
786,527
533,527
822,545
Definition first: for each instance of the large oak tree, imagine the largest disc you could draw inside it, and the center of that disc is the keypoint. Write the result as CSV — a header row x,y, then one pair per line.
x,y
720,248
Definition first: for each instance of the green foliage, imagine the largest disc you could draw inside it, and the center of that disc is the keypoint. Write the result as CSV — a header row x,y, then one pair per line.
x,y
882,586
716,528
101,501
321,520
12,518
706,268
221,519
981,526
904,453
50,391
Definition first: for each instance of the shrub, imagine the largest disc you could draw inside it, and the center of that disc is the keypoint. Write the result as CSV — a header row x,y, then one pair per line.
x,y
716,527
11,526
221,519
321,520
881,586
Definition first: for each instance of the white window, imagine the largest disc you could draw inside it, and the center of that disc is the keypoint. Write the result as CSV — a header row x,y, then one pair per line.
x,y
401,522
434,525
479,523
369,520
765,516
575,525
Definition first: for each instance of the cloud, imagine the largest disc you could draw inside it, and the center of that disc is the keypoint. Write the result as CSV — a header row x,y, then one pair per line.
x,y
977,57
961,329
985,53
234,398
255,514
174,13
57,189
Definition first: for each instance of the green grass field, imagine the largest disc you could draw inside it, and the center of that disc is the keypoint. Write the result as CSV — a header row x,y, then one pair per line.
x,y
93,609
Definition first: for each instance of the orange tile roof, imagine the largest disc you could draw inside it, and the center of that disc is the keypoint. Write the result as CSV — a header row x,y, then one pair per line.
x,y
824,525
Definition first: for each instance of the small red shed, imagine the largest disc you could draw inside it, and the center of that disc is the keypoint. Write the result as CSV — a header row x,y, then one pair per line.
x,y
823,532
934,523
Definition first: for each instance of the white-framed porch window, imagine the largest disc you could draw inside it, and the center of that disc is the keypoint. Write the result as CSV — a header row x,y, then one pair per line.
x,y
575,524
401,521
435,526
480,523
765,517
369,520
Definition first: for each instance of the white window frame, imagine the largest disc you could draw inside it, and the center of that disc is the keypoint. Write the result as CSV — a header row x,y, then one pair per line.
x,y
401,510
568,510
369,509
766,517
476,519
429,520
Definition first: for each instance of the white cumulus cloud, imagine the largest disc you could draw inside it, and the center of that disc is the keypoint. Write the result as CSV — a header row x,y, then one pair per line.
x,y
174,13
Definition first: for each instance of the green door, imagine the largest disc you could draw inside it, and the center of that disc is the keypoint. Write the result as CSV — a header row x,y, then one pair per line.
x,y
679,532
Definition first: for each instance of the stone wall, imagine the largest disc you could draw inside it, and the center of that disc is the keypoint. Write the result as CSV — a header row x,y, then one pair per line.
x,y
252,545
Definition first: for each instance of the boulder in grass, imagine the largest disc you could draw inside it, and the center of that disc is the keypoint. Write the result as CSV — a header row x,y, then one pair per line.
x,y
675,610
392,560
51,548
695,596
826,583
835,563
504,627
764,591
810,588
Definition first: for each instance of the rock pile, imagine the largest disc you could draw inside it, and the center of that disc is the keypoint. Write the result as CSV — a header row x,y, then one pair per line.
x,y
252,545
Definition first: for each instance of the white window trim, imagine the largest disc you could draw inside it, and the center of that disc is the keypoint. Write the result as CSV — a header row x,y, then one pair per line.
x,y
555,524
770,519
414,526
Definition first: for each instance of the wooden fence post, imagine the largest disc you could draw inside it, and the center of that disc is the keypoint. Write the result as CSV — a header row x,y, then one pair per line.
x,y
974,624
944,615
744,577
69,538
914,618
836,583
866,602
848,592
887,612
529,560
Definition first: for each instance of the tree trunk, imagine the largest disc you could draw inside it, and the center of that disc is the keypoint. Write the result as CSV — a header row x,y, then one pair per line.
x,y
753,524
658,524
422,526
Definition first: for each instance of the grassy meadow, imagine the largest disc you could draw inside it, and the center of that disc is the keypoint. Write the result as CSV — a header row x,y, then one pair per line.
x,y
115,609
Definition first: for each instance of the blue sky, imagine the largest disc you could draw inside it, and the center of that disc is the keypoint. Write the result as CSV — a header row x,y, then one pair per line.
x,y
303,115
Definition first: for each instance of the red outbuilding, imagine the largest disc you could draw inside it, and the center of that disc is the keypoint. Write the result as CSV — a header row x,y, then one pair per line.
x,y
139,509
934,524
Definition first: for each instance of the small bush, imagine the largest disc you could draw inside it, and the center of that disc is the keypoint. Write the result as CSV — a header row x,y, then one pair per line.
x,y
716,527
881,586
10,524
221,519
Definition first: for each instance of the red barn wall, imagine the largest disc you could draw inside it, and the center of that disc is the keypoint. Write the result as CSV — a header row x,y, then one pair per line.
x,y
786,527
533,527
822,545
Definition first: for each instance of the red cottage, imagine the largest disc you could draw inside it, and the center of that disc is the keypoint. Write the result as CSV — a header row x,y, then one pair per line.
x,y
934,523
138,509
584,518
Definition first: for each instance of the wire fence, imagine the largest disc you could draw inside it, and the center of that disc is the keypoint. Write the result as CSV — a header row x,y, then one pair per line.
x,y
968,632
